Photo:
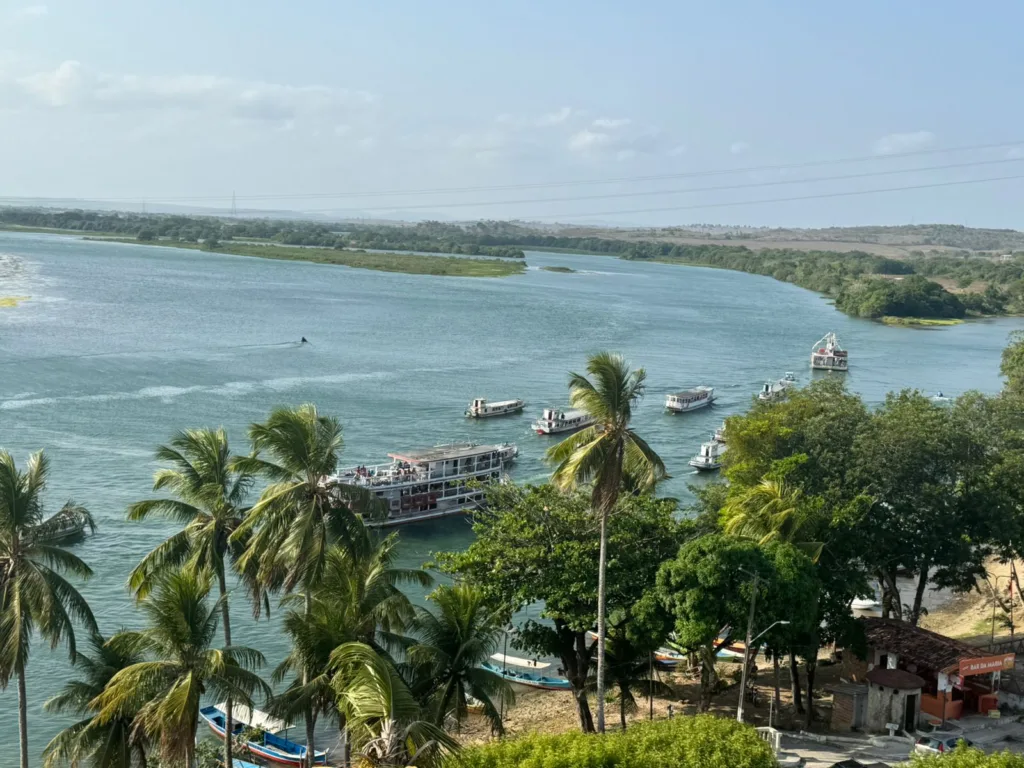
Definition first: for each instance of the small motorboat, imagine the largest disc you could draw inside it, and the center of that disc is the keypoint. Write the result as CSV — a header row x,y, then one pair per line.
x,y
528,678
720,434
70,523
710,456
270,746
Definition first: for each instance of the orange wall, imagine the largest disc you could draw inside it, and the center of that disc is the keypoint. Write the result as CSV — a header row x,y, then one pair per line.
x,y
932,705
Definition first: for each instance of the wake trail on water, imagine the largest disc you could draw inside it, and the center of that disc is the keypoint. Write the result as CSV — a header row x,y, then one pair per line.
x,y
151,352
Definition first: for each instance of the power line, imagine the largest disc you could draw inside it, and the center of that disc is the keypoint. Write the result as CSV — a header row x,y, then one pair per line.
x,y
535,185
648,193
777,199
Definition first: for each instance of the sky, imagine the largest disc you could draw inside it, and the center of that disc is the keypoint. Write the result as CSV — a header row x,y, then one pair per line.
x,y
499,109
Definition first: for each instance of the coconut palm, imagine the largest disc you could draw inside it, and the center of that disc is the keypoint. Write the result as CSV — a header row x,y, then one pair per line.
x,y
356,600
208,501
453,644
631,670
604,454
111,745
303,510
182,666
772,511
384,717
34,595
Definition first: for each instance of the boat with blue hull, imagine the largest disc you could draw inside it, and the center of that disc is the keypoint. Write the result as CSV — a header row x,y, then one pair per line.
x,y
529,678
270,746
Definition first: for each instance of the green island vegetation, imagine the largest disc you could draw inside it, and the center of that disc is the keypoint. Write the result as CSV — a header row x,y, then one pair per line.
x,y
560,269
820,496
409,263
985,276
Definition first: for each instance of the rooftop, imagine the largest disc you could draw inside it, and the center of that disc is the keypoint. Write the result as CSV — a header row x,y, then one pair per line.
x,y
894,678
441,452
915,645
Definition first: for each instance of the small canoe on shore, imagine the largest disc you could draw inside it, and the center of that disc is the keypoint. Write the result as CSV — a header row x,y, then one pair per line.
x,y
272,747
529,678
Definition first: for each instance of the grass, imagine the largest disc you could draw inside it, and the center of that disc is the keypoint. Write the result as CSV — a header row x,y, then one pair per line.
x,y
919,321
412,264
564,270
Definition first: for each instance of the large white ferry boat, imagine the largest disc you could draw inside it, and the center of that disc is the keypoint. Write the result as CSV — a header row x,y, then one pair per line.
x,y
690,399
773,390
553,420
435,482
481,409
827,355
710,456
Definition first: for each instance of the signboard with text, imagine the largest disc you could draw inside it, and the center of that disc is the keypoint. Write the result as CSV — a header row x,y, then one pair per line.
x,y
986,664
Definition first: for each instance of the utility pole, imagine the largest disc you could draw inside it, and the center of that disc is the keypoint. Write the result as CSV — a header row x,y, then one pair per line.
x,y
746,651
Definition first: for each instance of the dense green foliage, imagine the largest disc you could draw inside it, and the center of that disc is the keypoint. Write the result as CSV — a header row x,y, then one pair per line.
x,y
684,742
965,757
912,296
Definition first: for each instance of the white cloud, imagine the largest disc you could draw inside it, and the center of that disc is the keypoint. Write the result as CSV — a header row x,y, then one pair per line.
x,y
1014,153
588,140
71,85
549,120
739,147
895,143
554,118
611,122
678,149
32,11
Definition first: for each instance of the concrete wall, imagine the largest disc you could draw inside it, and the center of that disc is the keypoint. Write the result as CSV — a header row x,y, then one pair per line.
x,y
888,705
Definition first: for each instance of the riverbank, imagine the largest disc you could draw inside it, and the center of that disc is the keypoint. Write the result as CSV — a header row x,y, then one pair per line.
x,y
918,321
412,264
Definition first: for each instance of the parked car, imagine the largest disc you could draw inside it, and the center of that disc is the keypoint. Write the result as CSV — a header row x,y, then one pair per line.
x,y
940,743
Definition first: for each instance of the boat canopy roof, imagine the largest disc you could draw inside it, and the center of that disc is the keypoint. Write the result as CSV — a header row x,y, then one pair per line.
x,y
695,392
255,718
442,452
499,403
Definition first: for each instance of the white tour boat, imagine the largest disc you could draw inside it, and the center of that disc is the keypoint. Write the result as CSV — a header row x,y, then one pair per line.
x,y
690,399
720,434
710,456
775,390
827,355
434,482
481,409
553,420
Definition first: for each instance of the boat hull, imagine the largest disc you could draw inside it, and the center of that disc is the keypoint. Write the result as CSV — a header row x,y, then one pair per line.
x,y
530,680
265,751
673,408
546,430
701,466
504,412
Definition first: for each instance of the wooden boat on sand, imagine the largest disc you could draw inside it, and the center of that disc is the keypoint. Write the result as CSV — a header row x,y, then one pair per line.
x,y
270,746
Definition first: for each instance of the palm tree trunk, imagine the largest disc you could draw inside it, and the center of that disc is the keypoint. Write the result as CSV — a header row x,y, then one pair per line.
x,y
622,707
922,583
794,680
601,568
310,721
22,715
229,725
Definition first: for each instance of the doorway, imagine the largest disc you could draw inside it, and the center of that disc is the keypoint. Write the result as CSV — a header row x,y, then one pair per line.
x,y
910,714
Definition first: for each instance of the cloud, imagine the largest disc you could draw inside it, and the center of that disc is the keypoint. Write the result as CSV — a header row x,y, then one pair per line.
x,y
1014,153
678,149
621,146
611,122
588,140
551,119
895,143
72,86
32,11
739,147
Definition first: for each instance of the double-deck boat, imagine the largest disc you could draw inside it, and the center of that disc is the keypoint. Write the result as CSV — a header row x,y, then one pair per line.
x,y
481,409
710,456
554,420
434,482
267,745
690,399
773,390
827,355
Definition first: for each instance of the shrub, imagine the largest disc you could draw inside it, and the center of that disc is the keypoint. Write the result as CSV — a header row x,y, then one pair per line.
x,y
964,757
703,741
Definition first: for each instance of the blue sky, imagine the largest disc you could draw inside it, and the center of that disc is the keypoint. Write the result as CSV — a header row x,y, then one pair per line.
x,y
193,100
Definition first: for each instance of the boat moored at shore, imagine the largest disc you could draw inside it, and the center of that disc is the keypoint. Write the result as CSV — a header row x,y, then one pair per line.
x,y
827,355
554,420
269,746
481,409
690,399
435,482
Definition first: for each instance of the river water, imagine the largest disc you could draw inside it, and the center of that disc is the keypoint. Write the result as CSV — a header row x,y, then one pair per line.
x,y
120,345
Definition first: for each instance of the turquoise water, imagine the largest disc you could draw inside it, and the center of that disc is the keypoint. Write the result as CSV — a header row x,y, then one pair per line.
x,y
121,345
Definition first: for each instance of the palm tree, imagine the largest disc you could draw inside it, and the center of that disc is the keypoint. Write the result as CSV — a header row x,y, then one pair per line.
x,y
34,595
383,714
164,692
772,511
631,670
111,745
303,511
356,600
453,643
604,454
208,502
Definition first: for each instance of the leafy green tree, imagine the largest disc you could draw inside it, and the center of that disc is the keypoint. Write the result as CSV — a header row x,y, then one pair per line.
x,y
209,502
772,511
536,545
453,644
604,455
111,745
146,235
163,693
1012,365
302,512
632,669
35,598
